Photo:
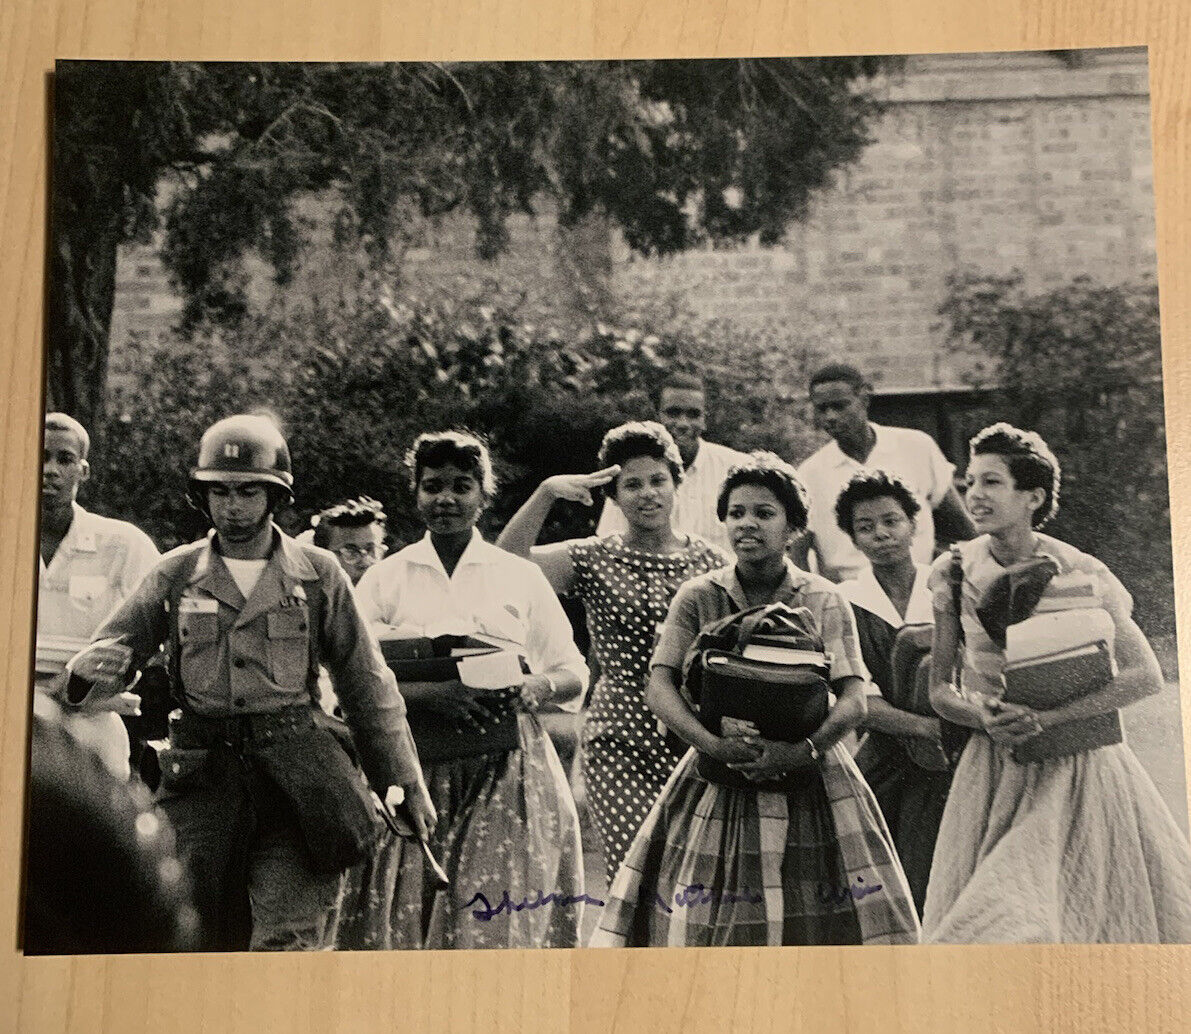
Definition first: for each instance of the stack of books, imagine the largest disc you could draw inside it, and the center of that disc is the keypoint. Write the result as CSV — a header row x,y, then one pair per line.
x,y
775,684
476,661
1053,658
776,649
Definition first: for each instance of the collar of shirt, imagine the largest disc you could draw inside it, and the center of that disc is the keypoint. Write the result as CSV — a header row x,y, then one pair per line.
x,y
80,537
866,592
282,577
839,458
700,454
727,579
477,553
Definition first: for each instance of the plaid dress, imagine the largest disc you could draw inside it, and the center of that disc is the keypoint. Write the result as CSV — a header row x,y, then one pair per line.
x,y
714,865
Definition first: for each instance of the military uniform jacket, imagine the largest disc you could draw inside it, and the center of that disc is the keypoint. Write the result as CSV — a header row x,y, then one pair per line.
x,y
238,656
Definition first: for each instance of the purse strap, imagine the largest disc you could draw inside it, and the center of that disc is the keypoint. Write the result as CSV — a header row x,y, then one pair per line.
x,y
955,737
957,586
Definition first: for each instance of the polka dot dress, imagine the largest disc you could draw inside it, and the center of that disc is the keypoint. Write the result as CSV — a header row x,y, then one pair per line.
x,y
626,760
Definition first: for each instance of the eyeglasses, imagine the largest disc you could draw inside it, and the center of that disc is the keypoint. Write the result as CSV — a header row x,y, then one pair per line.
x,y
356,553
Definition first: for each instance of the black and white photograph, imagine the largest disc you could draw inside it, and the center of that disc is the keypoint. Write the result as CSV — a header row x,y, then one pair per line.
x,y
639,503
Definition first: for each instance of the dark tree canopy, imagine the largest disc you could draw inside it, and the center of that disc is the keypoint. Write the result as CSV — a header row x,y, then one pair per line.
x,y
673,152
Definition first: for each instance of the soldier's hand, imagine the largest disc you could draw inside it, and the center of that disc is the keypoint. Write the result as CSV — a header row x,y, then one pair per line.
x,y
418,814
103,663
127,704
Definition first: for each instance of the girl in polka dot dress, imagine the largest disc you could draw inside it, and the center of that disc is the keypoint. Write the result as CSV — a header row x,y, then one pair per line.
x,y
626,582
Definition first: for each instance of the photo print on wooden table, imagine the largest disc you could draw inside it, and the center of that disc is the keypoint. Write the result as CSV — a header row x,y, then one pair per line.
x,y
611,503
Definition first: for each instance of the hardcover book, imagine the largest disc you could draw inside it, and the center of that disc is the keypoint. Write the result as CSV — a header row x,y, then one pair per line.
x,y
1051,681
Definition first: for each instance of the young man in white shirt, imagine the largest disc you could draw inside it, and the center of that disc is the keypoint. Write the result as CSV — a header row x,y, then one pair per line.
x,y
839,398
88,565
682,410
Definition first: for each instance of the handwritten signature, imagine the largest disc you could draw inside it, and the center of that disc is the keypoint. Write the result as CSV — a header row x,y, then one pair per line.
x,y
693,894
507,906
829,895
697,894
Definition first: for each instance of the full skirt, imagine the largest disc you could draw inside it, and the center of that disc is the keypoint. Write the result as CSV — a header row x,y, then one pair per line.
x,y
507,831
715,865
1075,849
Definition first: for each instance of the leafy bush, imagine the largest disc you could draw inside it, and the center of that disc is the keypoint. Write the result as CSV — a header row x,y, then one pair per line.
x,y
353,382
1082,365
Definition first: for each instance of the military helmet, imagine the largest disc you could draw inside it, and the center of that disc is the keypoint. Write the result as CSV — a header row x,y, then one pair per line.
x,y
241,449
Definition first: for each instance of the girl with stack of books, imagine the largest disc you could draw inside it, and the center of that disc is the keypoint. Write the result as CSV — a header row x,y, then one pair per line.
x,y
1052,831
508,831
757,839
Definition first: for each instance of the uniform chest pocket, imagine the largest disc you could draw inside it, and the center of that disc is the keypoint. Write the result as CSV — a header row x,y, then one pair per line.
x,y
198,645
288,634
197,628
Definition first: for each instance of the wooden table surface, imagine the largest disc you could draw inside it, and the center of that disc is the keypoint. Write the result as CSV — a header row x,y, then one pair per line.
x,y
891,991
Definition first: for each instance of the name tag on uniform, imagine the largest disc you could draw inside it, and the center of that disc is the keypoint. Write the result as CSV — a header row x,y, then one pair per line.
x,y
295,599
197,605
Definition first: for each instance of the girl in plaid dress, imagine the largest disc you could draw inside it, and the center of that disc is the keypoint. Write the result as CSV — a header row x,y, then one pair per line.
x,y
812,864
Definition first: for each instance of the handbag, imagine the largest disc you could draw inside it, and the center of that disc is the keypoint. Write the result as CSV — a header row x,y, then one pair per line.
x,y
765,665
909,690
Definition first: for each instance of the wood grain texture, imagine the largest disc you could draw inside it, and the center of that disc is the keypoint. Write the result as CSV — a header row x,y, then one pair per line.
x,y
924,990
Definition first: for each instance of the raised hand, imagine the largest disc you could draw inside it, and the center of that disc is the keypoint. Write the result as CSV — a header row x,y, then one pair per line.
x,y
577,488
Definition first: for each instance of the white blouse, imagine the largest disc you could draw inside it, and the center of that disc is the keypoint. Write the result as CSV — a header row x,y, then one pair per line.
x,y
491,592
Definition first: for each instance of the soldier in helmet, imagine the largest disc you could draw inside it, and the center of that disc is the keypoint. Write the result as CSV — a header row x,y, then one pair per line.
x,y
267,806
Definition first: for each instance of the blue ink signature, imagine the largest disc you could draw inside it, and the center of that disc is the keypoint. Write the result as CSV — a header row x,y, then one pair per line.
x,y
508,906
829,895
693,894
697,894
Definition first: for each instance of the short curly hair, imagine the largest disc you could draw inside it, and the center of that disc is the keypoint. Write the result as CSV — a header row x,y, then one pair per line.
x,y
639,438
1029,459
842,373
352,513
65,422
768,470
461,448
872,484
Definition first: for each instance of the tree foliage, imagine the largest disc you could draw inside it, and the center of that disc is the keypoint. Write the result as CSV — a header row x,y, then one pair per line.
x,y
1082,365
673,152
352,384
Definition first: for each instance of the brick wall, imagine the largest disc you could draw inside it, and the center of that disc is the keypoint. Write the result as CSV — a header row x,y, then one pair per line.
x,y
1036,161
980,161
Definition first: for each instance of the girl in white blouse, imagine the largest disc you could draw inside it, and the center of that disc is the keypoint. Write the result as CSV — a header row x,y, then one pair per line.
x,y
508,833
